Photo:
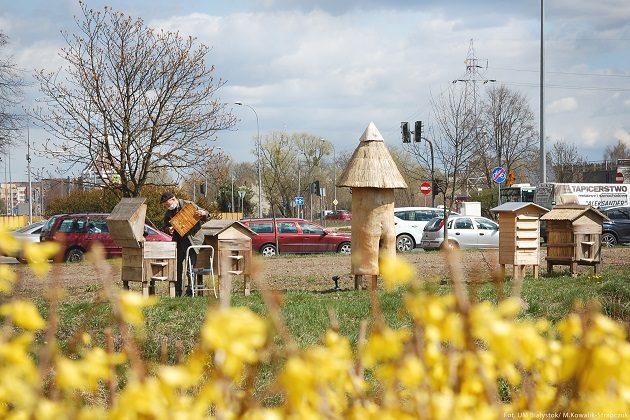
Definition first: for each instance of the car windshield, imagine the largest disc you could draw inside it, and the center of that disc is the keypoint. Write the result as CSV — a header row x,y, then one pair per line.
x,y
433,225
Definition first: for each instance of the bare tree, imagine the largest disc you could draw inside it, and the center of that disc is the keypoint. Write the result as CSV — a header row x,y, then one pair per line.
x,y
10,95
510,134
616,151
131,101
566,161
455,136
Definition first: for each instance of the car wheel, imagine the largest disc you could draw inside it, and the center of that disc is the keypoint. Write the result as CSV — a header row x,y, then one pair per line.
x,y
344,248
404,243
268,250
609,239
74,255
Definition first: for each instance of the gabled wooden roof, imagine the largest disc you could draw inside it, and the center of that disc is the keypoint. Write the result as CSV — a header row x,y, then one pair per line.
x,y
518,206
214,227
572,212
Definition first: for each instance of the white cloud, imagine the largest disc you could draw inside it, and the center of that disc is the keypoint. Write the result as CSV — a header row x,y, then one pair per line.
x,y
622,135
562,105
590,136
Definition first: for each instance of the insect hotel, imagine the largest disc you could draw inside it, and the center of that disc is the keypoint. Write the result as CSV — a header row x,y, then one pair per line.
x,y
519,236
372,175
574,237
143,262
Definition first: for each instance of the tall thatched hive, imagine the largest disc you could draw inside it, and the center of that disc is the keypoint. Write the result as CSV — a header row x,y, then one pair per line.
x,y
372,175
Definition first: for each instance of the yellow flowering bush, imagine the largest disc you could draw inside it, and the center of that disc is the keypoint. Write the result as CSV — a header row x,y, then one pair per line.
x,y
456,360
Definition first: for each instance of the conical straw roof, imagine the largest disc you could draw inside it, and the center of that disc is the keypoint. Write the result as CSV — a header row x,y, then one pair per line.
x,y
371,165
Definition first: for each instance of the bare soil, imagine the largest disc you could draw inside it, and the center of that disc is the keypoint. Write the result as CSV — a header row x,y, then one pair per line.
x,y
83,281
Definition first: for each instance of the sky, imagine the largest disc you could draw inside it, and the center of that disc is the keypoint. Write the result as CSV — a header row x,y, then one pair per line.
x,y
330,67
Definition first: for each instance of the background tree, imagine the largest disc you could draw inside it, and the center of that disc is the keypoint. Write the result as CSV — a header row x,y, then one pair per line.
x,y
10,92
456,128
508,131
616,151
566,161
131,100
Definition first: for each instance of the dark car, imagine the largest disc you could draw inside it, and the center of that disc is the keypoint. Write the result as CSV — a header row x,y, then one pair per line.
x,y
295,236
339,215
617,229
77,233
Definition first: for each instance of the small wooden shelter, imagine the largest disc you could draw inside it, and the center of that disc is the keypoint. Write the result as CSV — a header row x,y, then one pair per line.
x,y
372,175
519,236
144,262
574,237
232,244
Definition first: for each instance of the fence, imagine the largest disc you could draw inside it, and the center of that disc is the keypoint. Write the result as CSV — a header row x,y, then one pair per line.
x,y
14,222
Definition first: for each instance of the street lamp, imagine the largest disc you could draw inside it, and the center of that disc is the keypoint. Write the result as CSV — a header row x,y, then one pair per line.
x,y
258,159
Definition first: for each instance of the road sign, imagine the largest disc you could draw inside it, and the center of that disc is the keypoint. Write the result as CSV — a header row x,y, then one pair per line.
x,y
335,202
619,178
425,188
498,174
241,193
299,201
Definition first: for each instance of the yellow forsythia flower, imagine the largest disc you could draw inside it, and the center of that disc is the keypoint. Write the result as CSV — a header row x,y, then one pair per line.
x,y
24,314
7,278
237,335
38,254
9,245
396,272
132,305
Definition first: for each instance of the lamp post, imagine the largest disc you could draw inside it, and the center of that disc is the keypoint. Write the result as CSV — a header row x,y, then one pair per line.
x,y
258,157
28,169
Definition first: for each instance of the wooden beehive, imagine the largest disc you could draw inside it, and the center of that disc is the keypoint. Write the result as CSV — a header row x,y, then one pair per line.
x,y
574,237
144,262
232,243
519,236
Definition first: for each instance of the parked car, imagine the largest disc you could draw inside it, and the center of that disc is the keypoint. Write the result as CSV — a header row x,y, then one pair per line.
x,y
295,236
463,232
77,233
410,222
339,215
29,233
617,229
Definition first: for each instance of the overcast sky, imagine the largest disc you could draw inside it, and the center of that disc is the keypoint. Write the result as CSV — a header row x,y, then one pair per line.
x,y
330,67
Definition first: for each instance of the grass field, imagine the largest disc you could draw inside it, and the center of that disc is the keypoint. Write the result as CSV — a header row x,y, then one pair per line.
x,y
172,326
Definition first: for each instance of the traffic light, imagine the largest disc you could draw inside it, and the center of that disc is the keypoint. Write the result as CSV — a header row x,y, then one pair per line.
x,y
202,188
417,132
510,178
315,188
406,135
436,189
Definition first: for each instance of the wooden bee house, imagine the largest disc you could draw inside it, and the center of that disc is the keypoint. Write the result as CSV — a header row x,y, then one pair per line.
x,y
142,261
519,236
373,175
232,243
574,237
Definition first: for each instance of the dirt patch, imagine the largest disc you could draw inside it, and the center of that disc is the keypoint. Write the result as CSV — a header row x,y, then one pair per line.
x,y
83,281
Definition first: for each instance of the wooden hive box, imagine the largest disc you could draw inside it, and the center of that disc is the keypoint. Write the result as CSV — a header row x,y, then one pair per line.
x,y
232,243
574,236
519,236
144,262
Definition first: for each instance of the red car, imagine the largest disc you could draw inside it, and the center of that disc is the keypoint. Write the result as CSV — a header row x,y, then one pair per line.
x,y
78,232
295,236
339,215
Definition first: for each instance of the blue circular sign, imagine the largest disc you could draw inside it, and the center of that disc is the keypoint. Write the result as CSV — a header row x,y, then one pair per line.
x,y
499,174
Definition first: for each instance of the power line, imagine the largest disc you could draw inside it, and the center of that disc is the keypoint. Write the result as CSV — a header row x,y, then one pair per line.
x,y
564,72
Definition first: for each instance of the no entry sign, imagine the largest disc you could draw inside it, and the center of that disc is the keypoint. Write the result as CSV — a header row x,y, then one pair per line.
x,y
425,188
